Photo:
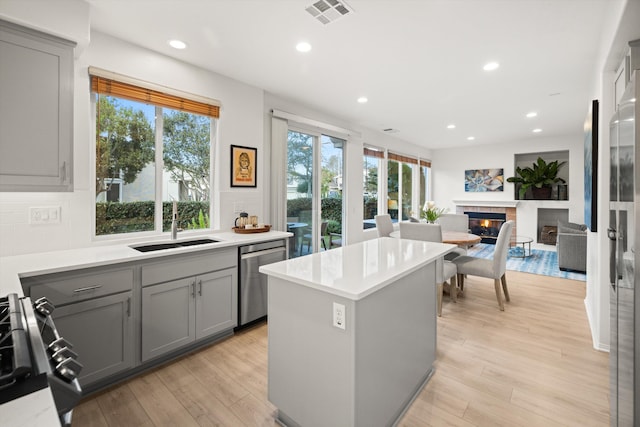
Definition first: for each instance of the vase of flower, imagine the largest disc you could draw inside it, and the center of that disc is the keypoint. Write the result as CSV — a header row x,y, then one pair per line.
x,y
430,212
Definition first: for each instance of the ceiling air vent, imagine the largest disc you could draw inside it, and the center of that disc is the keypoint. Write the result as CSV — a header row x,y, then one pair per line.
x,y
327,11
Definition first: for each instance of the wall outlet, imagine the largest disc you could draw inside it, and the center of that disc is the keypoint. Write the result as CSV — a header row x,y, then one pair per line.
x,y
44,215
339,316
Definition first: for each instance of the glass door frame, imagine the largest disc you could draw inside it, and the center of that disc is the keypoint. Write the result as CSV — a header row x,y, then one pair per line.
x,y
316,179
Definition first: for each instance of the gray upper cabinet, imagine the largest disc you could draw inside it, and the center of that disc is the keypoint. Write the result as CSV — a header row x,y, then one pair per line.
x,y
36,110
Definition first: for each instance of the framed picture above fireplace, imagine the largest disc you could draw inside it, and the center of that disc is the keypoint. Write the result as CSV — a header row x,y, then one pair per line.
x,y
483,180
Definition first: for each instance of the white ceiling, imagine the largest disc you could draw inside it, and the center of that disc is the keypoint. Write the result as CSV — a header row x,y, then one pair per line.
x,y
419,62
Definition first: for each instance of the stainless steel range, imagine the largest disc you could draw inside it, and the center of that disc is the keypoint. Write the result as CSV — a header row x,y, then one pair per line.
x,y
34,356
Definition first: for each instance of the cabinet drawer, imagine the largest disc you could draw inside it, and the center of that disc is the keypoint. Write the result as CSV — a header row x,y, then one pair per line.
x,y
187,266
74,287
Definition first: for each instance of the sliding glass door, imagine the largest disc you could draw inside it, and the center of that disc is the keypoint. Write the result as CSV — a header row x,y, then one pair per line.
x,y
314,191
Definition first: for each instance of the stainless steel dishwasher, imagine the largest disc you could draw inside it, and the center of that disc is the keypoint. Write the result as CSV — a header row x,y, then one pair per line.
x,y
252,285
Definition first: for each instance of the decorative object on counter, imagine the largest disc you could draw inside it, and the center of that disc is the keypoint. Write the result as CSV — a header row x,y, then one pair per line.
x,y
243,166
430,212
539,178
242,220
482,180
263,229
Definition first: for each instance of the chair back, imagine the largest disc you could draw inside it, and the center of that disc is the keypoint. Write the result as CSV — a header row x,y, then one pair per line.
x,y
384,225
501,250
323,228
454,222
421,231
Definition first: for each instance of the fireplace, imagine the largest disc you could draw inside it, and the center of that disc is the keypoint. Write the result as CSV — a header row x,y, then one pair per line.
x,y
486,225
507,209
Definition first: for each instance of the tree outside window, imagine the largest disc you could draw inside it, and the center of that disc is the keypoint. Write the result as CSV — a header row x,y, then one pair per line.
x,y
126,170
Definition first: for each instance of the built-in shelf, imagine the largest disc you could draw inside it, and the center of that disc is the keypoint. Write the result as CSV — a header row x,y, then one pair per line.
x,y
524,160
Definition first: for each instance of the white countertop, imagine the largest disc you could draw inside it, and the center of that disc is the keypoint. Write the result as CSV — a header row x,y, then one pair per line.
x,y
355,271
14,267
35,409
38,408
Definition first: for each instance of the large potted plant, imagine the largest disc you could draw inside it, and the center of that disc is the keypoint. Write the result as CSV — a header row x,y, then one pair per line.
x,y
539,178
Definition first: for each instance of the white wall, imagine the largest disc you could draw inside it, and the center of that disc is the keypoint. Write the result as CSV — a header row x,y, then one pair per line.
x,y
241,123
621,26
448,177
353,158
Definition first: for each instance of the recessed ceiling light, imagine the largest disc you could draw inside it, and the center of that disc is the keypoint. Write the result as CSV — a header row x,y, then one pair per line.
x,y
538,130
451,126
471,138
363,100
532,114
177,44
491,66
303,47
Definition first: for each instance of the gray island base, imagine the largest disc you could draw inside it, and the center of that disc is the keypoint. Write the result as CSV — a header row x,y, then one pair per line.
x,y
383,293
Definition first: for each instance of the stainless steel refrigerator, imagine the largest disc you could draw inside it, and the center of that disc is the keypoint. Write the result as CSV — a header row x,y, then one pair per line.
x,y
623,233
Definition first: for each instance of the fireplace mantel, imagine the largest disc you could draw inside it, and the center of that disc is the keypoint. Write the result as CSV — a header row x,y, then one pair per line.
x,y
488,203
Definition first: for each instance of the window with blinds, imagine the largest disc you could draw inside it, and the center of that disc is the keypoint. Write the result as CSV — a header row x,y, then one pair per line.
x,y
146,133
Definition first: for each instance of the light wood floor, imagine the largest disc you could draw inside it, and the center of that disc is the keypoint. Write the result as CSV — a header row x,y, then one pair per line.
x,y
531,365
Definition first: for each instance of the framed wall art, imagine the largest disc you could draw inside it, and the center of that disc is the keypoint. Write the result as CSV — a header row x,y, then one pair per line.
x,y
591,167
243,166
482,180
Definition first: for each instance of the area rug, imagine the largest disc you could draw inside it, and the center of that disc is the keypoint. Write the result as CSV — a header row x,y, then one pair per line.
x,y
540,262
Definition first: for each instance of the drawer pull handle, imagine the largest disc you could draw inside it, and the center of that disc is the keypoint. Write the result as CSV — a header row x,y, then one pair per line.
x,y
88,288
200,287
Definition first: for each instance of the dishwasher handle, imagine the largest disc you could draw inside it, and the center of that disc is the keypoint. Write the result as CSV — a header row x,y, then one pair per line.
x,y
260,253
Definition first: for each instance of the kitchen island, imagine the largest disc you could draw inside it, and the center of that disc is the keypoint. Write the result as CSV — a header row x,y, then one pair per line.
x,y
352,332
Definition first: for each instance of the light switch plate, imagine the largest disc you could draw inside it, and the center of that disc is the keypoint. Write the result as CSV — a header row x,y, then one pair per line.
x,y
339,316
44,215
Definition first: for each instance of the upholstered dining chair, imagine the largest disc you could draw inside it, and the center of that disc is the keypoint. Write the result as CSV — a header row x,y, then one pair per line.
x,y
445,270
384,225
494,268
454,222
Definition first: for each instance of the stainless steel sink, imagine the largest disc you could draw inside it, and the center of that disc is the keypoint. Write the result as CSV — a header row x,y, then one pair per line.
x,y
172,244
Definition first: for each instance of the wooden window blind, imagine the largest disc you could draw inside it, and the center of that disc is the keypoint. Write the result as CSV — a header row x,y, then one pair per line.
x,y
401,158
425,163
373,153
108,86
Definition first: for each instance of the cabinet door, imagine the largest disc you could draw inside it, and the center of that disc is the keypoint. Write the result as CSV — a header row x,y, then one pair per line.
x,y
216,302
36,110
101,331
168,317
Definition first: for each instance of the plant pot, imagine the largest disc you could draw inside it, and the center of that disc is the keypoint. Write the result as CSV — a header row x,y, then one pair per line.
x,y
542,193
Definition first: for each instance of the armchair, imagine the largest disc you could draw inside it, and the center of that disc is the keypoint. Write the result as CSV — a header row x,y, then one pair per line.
x,y
572,246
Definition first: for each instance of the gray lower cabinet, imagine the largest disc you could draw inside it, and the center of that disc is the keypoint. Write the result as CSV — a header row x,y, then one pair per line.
x,y
95,313
179,312
101,331
36,110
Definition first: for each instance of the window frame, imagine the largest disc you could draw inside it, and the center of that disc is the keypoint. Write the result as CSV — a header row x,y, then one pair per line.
x,y
159,164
